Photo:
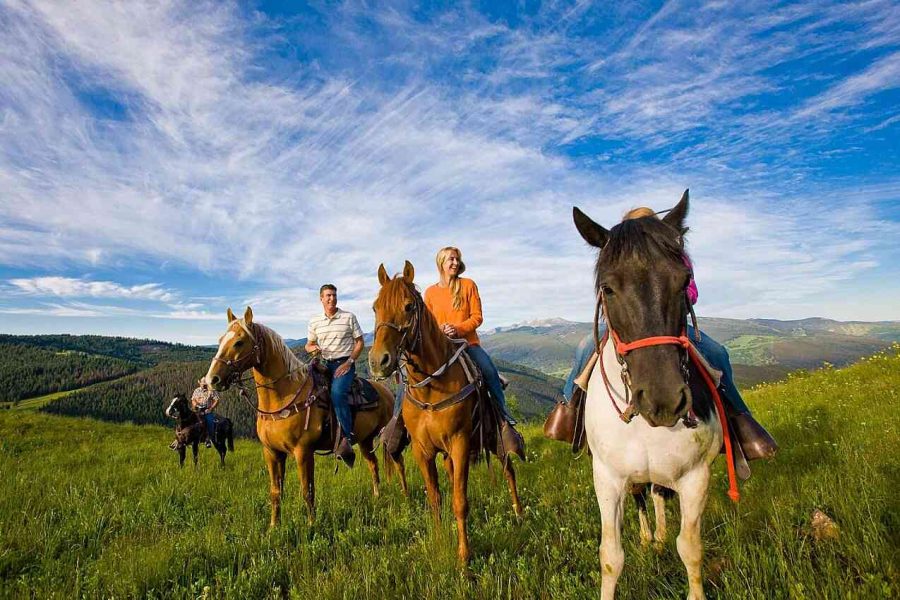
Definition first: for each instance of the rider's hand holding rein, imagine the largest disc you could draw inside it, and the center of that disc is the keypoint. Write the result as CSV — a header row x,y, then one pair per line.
x,y
449,330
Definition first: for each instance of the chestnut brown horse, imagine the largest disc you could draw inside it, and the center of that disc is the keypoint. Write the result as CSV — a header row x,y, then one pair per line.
x,y
439,420
288,419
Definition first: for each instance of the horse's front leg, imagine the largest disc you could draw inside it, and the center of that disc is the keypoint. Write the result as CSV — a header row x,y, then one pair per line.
x,y
182,452
306,473
195,449
274,464
459,460
692,492
610,491
425,460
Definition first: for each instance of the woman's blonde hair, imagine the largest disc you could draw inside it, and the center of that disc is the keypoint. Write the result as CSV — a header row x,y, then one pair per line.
x,y
639,212
455,286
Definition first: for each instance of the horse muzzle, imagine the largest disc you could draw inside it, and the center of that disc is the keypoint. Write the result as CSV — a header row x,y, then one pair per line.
x,y
663,412
382,364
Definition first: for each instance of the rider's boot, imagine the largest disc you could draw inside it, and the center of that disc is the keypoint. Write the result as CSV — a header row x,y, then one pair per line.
x,y
513,442
755,441
394,436
344,449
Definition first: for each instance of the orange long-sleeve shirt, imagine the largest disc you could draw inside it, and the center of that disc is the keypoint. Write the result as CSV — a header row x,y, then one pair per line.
x,y
467,318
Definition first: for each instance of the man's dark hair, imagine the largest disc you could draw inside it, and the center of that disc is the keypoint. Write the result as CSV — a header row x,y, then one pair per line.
x,y
327,286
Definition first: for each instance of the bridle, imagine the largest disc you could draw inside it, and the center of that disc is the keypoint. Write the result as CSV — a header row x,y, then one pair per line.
x,y
621,349
410,339
254,358
251,358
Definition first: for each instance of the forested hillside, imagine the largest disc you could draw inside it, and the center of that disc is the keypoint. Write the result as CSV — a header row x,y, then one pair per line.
x,y
142,397
27,371
147,352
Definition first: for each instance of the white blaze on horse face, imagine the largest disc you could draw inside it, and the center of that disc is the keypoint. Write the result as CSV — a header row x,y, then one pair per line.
x,y
171,406
229,335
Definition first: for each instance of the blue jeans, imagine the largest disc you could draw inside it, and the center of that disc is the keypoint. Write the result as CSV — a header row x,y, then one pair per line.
x,y
714,353
210,420
491,379
340,389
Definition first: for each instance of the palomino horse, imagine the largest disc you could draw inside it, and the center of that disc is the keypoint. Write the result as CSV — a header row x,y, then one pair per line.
x,y
646,369
439,416
288,419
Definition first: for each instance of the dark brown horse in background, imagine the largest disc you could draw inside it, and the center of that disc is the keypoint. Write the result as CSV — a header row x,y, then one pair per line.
x,y
289,419
439,421
190,430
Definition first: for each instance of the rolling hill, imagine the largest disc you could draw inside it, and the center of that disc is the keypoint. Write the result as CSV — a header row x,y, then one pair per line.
x,y
761,349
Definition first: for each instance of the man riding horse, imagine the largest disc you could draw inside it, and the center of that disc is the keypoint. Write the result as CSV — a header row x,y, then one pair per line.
x,y
337,337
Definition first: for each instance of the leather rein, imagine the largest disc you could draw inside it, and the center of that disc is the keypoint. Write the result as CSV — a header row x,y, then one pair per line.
x,y
621,349
254,358
414,324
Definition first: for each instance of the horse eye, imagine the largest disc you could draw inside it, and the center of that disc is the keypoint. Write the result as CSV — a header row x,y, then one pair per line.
x,y
410,306
607,291
239,343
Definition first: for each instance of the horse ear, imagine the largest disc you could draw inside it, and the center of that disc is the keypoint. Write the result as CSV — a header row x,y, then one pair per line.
x,y
593,234
678,214
248,316
383,277
408,272
231,316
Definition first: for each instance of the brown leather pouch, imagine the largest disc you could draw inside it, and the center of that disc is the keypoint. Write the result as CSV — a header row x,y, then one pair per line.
x,y
565,422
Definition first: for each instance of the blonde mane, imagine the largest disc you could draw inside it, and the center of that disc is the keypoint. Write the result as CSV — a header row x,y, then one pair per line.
x,y
273,345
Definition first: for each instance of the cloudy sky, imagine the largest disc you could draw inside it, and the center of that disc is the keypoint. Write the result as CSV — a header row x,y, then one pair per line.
x,y
161,161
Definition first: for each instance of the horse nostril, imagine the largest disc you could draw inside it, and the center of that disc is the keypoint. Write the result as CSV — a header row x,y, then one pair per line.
x,y
215,379
385,359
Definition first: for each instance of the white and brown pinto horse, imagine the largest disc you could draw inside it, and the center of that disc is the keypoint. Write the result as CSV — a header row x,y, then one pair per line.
x,y
645,369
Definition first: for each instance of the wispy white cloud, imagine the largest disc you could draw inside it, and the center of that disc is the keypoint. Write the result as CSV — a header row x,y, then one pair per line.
x,y
144,137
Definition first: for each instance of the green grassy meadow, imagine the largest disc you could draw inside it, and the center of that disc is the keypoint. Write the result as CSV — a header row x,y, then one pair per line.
x,y
91,509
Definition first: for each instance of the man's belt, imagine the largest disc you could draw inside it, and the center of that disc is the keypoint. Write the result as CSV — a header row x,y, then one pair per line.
x,y
340,359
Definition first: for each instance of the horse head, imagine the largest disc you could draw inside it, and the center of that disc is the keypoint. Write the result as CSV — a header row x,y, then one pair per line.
x,y
397,311
641,278
178,407
238,351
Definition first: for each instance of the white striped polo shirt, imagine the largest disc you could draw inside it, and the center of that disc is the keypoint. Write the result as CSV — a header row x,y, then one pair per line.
x,y
336,334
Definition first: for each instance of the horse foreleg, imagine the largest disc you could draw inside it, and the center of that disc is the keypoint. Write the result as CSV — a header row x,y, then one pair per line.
x,y
692,492
372,462
425,460
274,464
182,452
401,471
639,493
610,492
659,512
195,449
459,456
306,474
510,475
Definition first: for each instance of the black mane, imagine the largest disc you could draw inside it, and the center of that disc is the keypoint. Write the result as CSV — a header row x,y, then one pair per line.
x,y
640,242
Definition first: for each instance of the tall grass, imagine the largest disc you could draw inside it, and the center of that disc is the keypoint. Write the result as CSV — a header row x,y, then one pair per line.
x,y
90,509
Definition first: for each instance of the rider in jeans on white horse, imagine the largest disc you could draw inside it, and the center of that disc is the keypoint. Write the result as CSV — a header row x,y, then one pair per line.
x,y
755,440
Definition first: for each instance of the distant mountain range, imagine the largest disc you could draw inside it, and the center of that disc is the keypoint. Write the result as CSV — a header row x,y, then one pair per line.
x,y
760,349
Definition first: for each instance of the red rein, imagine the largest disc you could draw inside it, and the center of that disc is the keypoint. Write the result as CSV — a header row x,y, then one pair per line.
x,y
622,349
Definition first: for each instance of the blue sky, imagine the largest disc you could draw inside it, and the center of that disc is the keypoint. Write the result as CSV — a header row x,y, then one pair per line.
x,y
160,162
